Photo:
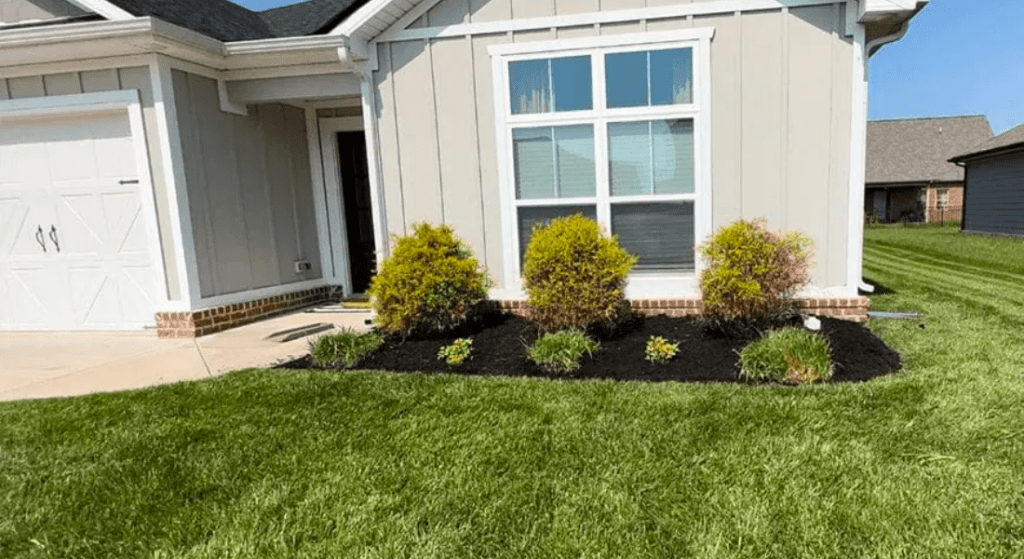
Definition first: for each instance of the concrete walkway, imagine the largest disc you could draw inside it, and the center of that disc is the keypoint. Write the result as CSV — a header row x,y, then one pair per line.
x,y
58,364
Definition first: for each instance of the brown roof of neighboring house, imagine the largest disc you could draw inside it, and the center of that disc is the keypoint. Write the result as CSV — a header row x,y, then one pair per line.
x,y
1007,141
917,150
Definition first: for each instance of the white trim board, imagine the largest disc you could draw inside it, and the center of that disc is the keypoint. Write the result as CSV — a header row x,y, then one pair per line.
x,y
597,18
334,204
105,9
175,181
109,101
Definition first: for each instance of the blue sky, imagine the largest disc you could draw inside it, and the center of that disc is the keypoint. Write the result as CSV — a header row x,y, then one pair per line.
x,y
960,57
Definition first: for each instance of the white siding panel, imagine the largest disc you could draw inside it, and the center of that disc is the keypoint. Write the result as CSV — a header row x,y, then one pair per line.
x,y
448,12
391,153
726,117
487,152
456,128
26,87
417,131
810,126
62,84
762,117
839,168
490,10
100,80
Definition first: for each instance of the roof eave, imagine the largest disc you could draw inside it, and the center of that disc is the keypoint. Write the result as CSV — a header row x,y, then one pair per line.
x,y
147,35
1002,150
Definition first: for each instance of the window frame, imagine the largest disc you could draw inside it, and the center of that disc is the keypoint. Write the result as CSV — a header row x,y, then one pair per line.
x,y
643,284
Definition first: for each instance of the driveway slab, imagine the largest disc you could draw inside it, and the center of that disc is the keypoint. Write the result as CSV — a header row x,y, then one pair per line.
x,y
60,364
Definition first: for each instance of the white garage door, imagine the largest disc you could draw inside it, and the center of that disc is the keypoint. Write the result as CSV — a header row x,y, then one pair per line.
x,y
74,248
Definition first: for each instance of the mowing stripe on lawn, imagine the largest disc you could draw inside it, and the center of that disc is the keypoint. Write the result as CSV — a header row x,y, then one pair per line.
x,y
989,256
942,291
1005,289
947,263
1003,292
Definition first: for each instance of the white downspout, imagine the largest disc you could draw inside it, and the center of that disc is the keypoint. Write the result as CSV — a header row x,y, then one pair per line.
x,y
870,49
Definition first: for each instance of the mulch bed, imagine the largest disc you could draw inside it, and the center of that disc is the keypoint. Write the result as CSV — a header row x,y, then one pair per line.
x,y
499,348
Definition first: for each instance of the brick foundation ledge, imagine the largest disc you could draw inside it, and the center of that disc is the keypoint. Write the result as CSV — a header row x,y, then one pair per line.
x,y
846,308
194,324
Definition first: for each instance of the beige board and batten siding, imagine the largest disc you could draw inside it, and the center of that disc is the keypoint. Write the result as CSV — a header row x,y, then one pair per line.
x,y
17,11
249,188
780,110
114,79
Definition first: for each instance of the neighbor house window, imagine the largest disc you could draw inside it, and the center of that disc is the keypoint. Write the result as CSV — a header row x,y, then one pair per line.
x,y
942,194
610,131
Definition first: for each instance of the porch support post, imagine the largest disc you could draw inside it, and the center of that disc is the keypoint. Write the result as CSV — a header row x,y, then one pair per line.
x,y
380,233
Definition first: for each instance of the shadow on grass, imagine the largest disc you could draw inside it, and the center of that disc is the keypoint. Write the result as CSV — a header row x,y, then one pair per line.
x,y
880,289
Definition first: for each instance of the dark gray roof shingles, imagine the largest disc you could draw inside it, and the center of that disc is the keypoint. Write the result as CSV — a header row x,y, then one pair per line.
x,y
230,22
918,150
308,18
1010,139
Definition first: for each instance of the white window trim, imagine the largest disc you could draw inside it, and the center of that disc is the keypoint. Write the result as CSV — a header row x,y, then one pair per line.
x,y
647,285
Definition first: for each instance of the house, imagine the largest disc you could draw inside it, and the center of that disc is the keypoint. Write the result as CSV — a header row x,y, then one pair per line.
x,y
208,165
909,176
994,187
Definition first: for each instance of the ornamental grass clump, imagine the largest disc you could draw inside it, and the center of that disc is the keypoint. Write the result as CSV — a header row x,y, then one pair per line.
x,y
787,355
343,349
751,275
561,351
660,350
430,284
457,352
575,275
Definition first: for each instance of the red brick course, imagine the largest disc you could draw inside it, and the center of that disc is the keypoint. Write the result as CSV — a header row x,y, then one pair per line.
x,y
853,308
194,324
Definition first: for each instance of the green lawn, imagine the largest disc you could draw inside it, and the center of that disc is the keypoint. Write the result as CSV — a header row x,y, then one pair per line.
x,y
928,463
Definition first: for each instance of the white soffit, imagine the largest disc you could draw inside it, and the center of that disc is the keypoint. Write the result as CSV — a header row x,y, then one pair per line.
x,y
874,10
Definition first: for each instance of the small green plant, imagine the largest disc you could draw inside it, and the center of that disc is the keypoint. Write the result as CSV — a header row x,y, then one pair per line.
x,y
457,352
431,283
560,352
752,271
790,355
343,349
574,275
660,350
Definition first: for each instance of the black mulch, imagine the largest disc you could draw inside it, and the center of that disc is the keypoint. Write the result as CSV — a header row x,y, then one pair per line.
x,y
499,348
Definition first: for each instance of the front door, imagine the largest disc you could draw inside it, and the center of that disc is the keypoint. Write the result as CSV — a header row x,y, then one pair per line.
x,y
355,190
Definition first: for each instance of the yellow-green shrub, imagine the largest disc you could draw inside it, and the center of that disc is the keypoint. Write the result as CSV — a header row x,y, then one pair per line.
x,y
752,271
431,283
574,275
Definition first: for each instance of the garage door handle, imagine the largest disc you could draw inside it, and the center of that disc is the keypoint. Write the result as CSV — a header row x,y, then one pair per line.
x,y
129,181
53,237
40,238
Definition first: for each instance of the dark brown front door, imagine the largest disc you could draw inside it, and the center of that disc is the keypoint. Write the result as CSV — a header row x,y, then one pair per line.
x,y
355,189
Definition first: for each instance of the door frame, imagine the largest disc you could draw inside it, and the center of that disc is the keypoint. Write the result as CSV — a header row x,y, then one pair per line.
x,y
126,101
339,264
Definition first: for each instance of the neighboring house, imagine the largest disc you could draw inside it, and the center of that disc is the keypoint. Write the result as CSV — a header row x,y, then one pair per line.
x,y
994,189
211,164
909,176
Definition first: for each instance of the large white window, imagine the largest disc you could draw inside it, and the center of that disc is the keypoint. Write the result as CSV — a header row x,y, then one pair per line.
x,y
614,128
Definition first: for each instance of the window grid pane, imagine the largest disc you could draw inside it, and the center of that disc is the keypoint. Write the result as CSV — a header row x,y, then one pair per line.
x,y
660,234
651,157
530,217
551,85
554,162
